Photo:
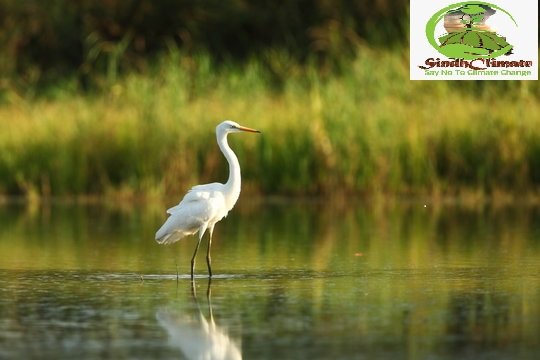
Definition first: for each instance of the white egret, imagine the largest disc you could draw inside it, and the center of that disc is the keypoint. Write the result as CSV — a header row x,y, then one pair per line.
x,y
204,205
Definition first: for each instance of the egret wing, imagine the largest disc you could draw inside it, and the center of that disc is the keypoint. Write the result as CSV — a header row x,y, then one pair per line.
x,y
201,206
186,220
196,193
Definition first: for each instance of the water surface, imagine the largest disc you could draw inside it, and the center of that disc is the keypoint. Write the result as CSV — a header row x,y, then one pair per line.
x,y
292,280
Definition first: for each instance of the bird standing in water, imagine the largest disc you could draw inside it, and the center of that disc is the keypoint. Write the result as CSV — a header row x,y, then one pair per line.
x,y
204,205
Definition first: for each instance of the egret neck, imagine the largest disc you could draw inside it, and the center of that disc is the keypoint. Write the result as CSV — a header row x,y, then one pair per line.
x,y
233,184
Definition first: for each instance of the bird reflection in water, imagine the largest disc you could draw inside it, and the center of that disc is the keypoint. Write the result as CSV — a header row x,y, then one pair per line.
x,y
196,336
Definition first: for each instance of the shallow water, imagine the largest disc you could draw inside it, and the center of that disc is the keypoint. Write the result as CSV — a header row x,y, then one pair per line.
x,y
292,280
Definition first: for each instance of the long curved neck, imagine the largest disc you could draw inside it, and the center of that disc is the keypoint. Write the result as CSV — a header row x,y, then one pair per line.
x,y
233,184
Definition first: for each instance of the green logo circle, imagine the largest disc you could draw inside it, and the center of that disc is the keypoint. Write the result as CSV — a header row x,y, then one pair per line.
x,y
470,40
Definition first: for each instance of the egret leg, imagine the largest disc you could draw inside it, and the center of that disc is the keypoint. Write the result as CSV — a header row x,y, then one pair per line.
x,y
208,257
176,272
209,299
209,289
193,291
195,254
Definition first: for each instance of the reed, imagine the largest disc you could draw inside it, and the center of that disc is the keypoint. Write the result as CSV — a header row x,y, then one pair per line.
x,y
363,129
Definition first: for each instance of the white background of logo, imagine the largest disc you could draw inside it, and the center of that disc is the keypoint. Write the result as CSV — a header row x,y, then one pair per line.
x,y
524,37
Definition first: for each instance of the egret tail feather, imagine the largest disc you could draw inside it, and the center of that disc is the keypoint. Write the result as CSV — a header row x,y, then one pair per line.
x,y
170,238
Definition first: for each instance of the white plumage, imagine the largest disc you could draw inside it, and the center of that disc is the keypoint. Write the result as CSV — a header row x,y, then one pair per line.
x,y
201,207
204,205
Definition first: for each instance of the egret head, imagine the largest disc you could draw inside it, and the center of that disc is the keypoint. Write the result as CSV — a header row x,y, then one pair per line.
x,y
229,126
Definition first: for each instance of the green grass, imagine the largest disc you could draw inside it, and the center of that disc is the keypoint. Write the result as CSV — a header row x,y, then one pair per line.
x,y
361,130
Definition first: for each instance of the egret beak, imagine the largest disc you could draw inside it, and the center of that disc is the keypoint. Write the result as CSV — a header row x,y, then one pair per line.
x,y
243,128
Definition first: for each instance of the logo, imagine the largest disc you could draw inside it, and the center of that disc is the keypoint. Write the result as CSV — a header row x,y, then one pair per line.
x,y
474,40
468,37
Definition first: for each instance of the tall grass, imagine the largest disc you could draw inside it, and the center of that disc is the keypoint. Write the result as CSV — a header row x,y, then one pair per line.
x,y
367,129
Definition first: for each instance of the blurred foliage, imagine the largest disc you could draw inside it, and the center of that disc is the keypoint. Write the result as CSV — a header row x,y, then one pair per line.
x,y
367,131
326,81
45,40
